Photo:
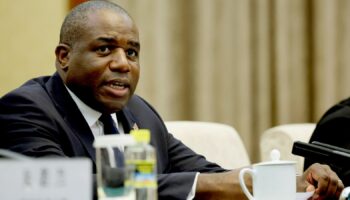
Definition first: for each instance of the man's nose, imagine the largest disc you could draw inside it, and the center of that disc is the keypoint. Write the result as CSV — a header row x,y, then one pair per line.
x,y
119,61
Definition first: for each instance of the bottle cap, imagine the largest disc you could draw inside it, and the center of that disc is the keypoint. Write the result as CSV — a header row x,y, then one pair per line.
x,y
141,135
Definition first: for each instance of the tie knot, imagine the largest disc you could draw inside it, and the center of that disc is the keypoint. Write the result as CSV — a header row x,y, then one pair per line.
x,y
109,126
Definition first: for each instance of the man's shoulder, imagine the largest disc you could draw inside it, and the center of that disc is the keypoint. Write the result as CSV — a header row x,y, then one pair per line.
x,y
345,102
140,106
339,110
31,88
137,102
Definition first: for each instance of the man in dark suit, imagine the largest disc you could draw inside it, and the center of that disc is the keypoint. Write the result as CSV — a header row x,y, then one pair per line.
x,y
334,129
97,62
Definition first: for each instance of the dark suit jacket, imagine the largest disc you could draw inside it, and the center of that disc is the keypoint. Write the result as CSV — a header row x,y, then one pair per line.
x,y
41,119
334,128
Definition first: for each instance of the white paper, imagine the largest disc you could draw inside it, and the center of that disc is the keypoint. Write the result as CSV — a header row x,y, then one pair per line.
x,y
304,195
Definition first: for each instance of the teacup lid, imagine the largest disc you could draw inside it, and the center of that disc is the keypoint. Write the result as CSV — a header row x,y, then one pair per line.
x,y
275,156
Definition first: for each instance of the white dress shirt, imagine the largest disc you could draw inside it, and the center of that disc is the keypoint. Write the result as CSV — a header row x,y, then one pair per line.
x,y
92,116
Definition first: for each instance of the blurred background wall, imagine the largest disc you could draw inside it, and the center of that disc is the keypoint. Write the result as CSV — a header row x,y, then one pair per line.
x,y
28,35
252,64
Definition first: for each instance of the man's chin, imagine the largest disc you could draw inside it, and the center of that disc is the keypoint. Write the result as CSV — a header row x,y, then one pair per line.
x,y
112,107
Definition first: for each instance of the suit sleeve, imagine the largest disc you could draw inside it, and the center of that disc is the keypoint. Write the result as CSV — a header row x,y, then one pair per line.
x,y
334,129
176,181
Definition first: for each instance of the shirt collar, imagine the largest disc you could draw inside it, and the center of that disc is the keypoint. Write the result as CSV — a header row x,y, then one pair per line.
x,y
91,116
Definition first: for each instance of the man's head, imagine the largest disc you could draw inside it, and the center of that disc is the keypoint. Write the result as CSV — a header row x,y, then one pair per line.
x,y
98,55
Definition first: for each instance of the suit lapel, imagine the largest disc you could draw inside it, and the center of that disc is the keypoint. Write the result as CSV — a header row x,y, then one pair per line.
x,y
127,119
71,114
74,119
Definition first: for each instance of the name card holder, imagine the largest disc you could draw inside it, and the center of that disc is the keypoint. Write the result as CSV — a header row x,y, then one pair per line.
x,y
46,179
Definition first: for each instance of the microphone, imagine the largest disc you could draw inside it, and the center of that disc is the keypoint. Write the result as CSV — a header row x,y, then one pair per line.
x,y
323,153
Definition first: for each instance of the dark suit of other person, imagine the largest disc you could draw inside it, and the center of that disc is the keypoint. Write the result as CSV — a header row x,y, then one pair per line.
x,y
334,128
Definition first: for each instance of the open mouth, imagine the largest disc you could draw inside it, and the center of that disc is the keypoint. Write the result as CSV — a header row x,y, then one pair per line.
x,y
117,88
118,85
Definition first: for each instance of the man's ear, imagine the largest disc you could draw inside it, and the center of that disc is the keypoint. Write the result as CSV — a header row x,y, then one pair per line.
x,y
62,56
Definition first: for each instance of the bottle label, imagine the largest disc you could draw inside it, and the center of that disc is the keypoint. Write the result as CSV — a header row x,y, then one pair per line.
x,y
144,176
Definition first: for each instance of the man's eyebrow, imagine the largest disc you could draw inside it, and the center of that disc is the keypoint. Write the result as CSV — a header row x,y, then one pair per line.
x,y
134,44
112,39
106,39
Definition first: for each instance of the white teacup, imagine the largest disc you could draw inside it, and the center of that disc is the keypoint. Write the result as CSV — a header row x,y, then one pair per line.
x,y
273,180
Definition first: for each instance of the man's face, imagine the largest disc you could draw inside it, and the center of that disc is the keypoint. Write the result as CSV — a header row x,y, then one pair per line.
x,y
103,65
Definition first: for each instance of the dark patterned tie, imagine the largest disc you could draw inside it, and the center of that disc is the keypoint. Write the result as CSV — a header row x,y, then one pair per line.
x,y
108,124
110,128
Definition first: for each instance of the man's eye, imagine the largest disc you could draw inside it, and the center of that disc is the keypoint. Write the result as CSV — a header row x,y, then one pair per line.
x,y
131,53
103,50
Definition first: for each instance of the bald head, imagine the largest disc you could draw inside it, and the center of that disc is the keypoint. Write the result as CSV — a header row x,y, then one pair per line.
x,y
76,20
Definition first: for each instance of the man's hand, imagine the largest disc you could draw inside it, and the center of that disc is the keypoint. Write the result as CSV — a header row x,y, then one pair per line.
x,y
322,180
